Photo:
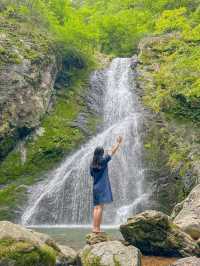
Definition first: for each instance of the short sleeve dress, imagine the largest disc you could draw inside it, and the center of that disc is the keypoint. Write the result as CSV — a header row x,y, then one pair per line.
x,y
102,193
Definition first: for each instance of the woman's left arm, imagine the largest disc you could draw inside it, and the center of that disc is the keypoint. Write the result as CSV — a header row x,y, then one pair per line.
x,y
116,146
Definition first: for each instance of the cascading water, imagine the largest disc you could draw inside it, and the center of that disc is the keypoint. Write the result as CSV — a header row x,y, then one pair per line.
x,y
66,196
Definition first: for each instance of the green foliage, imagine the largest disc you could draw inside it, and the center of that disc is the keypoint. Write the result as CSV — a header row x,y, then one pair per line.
x,y
172,20
177,71
171,78
121,32
113,26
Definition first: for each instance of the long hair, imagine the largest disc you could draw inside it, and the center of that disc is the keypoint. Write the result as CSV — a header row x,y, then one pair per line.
x,y
97,157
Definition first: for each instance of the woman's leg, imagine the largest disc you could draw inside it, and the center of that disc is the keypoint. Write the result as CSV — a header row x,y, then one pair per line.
x,y
97,218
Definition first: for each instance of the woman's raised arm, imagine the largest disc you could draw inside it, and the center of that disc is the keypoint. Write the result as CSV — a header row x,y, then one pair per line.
x,y
115,147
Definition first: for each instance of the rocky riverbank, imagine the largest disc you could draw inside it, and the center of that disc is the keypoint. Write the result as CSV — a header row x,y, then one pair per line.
x,y
150,232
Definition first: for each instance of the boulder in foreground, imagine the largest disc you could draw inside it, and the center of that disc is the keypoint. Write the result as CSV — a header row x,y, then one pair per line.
x,y
109,253
191,261
23,247
154,233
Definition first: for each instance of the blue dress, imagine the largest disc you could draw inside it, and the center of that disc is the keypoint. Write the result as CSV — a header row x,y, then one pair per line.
x,y
102,192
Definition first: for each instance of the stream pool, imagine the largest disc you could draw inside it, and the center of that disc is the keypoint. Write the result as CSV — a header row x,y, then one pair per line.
x,y
73,236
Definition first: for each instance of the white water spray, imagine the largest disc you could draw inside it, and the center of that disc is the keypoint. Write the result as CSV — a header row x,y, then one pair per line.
x,y
66,196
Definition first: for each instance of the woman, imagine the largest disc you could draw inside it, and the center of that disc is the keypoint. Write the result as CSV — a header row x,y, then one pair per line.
x,y
102,193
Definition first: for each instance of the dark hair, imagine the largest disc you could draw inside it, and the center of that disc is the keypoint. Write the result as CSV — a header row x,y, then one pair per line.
x,y
97,157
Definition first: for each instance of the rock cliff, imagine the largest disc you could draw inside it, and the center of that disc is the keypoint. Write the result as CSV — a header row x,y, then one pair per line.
x,y
28,68
171,140
46,108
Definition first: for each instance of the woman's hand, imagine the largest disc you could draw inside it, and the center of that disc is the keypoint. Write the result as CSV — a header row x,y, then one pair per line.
x,y
119,139
116,146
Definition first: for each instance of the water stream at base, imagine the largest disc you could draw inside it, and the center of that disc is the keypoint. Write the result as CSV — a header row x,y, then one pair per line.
x,y
65,197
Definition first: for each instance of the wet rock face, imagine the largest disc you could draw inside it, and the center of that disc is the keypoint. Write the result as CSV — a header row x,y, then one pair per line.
x,y
188,218
110,253
165,137
191,261
27,73
96,91
154,233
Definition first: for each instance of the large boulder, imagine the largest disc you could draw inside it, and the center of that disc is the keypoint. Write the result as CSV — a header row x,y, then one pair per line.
x,y
17,232
154,233
191,261
22,247
188,219
109,253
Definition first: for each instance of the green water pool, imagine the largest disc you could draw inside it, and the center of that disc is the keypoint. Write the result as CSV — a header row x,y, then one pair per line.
x,y
75,236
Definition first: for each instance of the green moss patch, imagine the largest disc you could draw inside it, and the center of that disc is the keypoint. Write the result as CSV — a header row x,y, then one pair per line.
x,y
88,259
23,253
22,41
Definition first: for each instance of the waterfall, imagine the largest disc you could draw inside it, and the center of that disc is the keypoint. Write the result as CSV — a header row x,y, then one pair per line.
x,y
65,197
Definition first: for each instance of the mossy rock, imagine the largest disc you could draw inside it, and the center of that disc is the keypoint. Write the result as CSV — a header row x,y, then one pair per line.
x,y
154,233
110,253
22,253
20,246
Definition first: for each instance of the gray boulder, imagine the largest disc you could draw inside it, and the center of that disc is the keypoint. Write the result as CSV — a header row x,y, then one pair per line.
x,y
154,233
188,219
109,253
20,246
191,261
17,232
